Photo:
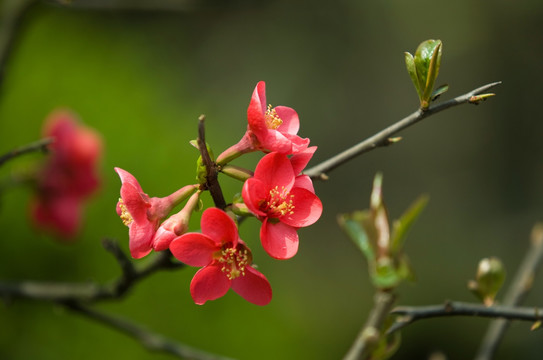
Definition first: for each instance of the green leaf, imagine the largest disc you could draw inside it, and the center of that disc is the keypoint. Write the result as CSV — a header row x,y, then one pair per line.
x,y
352,226
385,275
201,171
433,71
402,225
411,69
439,91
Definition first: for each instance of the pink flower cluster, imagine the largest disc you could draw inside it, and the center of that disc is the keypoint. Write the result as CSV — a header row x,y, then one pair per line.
x,y
278,194
69,176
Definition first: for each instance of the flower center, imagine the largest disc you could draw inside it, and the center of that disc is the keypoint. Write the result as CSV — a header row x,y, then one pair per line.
x,y
234,262
125,215
273,121
279,203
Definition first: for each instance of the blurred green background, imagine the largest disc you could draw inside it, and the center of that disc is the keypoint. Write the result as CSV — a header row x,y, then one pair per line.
x,y
142,77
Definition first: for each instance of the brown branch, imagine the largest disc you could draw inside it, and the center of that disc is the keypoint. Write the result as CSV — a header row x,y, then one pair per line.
x,y
516,293
383,138
40,145
371,332
212,182
149,340
410,314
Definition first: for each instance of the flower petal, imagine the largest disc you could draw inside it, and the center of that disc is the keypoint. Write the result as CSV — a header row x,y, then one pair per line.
x,y
273,140
140,238
254,191
291,122
219,227
274,169
135,202
194,249
126,177
299,161
209,283
257,108
307,208
279,240
304,182
253,287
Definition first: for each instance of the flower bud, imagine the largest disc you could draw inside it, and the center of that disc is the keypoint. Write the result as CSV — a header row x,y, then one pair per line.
x,y
489,280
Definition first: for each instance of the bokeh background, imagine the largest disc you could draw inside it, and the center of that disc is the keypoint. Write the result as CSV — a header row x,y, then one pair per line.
x,y
141,72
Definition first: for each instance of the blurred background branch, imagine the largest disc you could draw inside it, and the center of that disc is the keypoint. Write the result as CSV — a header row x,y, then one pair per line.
x,y
151,341
516,293
91,292
40,145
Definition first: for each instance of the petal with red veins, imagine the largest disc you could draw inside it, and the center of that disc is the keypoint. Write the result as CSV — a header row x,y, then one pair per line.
x,y
217,225
209,283
253,287
307,208
194,249
279,240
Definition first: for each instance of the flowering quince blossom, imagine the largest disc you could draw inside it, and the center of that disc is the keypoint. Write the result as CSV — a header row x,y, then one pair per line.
x,y
143,214
225,258
175,225
283,201
270,129
69,176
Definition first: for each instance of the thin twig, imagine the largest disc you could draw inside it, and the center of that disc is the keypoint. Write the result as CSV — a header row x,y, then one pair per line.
x,y
40,145
91,292
516,293
371,332
149,340
212,173
410,314
13,13
382,138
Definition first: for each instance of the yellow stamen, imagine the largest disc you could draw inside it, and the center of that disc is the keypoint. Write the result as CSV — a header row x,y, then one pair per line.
x,y
273,121
125,215
234,262
280,202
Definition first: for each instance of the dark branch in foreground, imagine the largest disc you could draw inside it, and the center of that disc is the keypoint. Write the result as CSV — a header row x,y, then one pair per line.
x,y
383,138
410,314
149,340
40,145
520,285
212,174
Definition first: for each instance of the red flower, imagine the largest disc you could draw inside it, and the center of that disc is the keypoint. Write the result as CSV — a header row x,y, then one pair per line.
x,y
269,129
69,176
283,201
175,225
143,214
225,258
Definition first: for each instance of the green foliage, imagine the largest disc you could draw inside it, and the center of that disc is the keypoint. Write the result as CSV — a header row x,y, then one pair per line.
x,y
423,69
383,248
